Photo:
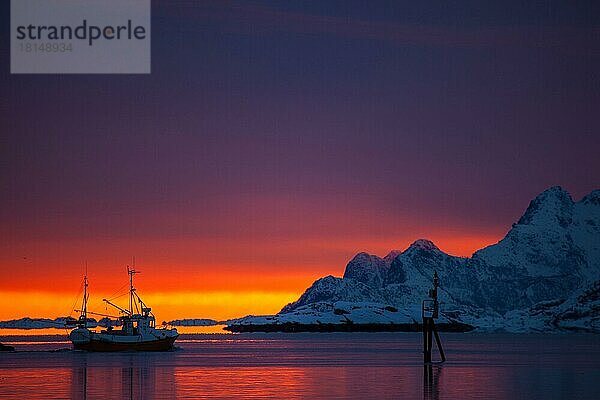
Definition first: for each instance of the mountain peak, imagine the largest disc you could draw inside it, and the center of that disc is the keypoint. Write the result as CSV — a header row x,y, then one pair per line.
x,y
423,244
555,190
365,259
366,268
391,256
554,194
552,204
592,199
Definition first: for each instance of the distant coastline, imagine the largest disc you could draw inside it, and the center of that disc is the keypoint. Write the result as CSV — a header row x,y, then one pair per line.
x,y
292,327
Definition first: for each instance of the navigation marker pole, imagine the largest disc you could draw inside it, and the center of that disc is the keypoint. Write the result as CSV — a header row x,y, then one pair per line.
x,y
430,312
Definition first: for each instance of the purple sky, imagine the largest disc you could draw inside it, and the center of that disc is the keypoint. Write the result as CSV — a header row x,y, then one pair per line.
x,y
339,123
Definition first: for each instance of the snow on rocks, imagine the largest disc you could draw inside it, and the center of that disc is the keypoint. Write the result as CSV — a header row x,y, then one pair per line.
x,y
544,275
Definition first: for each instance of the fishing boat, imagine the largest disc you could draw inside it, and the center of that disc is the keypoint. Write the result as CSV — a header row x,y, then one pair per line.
x,y
138,330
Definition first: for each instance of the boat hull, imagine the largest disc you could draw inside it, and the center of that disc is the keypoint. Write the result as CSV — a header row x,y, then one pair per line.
x,y
106,346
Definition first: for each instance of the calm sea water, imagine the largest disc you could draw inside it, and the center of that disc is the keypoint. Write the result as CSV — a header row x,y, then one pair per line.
x,y
317,366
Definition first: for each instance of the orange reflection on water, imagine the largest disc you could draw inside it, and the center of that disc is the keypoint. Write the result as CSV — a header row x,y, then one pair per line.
x,y
296,382
320,366
150,382
81,382
30,383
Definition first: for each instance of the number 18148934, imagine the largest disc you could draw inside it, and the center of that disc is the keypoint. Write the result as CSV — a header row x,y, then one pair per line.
x,y
46,47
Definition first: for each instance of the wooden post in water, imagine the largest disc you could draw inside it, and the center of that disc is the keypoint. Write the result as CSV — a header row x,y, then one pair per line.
x,y
430,312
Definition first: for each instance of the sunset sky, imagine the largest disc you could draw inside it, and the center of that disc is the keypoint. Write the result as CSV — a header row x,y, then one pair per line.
x,y
274,141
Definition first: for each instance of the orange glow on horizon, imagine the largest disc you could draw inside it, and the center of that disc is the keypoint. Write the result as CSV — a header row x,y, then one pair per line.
x,y
186,289
166,306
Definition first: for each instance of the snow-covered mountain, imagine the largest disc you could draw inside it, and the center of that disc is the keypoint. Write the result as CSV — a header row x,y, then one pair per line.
x,y
543,275
33,323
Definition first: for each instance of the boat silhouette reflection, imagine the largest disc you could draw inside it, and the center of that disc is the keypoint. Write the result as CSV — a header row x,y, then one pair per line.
x,y
127,376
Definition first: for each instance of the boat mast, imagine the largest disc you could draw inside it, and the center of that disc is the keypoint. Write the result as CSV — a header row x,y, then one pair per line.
x,y
131,272
83,316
